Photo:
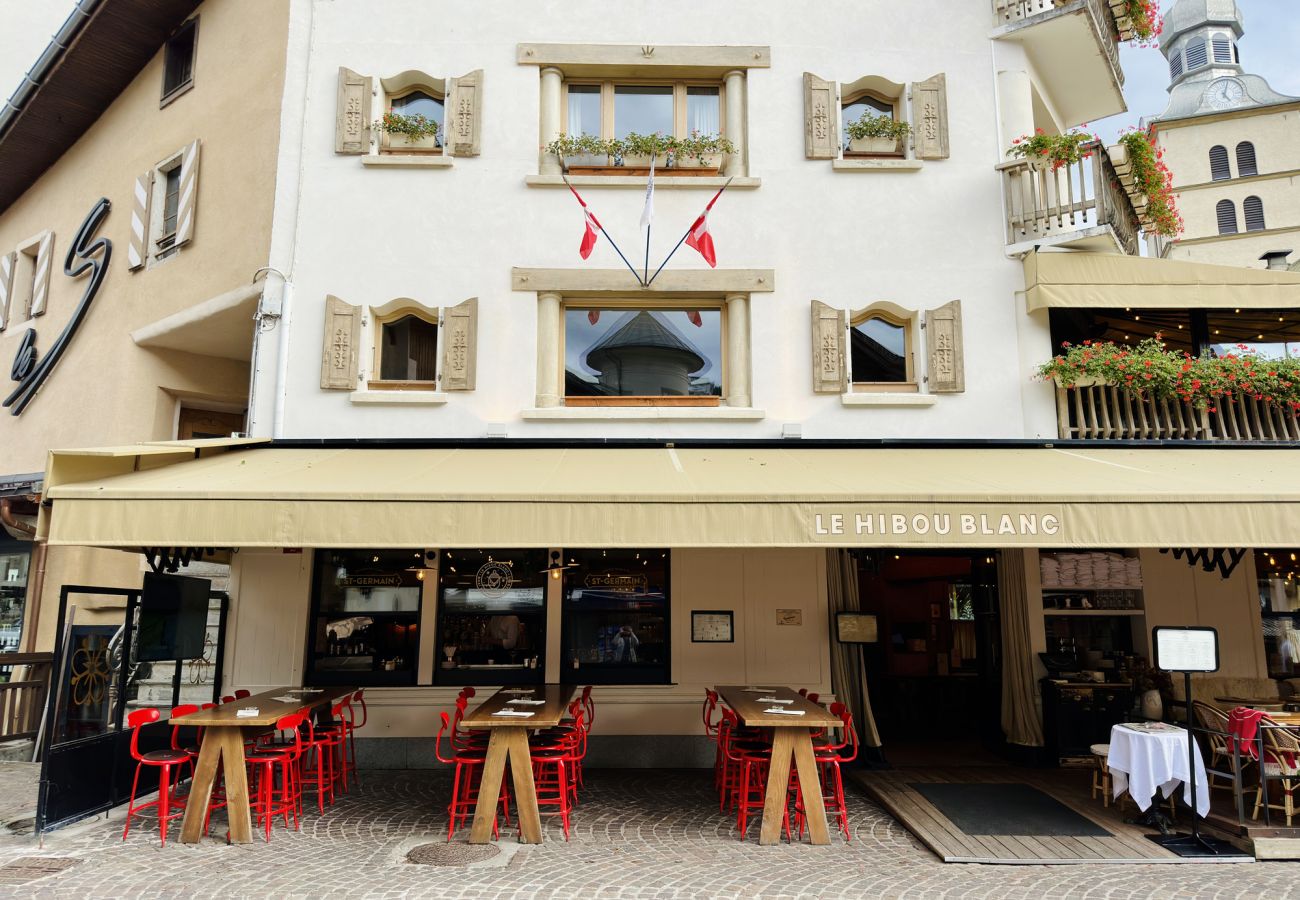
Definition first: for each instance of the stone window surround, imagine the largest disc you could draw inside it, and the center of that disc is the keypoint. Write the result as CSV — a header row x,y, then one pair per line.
x,y
729,65
729,288
381,154
405,393
904,98
910,321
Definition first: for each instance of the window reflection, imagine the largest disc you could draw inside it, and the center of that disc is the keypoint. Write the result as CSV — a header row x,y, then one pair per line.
x,y
409,350
878,351
491,616
418,103
643,353
615,617
644,109
851,112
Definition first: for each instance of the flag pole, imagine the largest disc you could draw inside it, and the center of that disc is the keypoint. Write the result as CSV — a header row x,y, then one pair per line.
x,y
631,268
646,271
683,238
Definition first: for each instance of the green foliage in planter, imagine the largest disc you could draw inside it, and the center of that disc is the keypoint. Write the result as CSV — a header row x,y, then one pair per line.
x,y
641,145
873,126
1058,149
411,127
1145,20
698,146
579,145
1149,370
1154,181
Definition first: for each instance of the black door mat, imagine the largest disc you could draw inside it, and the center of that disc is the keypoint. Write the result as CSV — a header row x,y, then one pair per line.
x,y
1010,809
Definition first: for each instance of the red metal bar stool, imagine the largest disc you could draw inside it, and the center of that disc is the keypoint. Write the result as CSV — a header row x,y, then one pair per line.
x,y
555,757
242,694
829,756
353,725
228,698
338,731
316,766
184,710
711,732
164,761
265,763
465,780
752,759
466,738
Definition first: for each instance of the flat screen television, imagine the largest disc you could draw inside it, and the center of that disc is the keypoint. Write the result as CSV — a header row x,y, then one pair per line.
x,y
173,617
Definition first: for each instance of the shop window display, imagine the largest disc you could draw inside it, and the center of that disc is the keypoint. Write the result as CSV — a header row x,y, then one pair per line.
x,y
491,617
615,617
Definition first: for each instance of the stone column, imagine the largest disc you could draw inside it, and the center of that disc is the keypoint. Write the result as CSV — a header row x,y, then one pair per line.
x,y
735,82
551,118
1016,105
548,349
738,362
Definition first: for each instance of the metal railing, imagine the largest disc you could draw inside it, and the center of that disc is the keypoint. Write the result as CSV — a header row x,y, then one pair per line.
x,y
1103,15
1104,411
1244,759
23,693
1043,202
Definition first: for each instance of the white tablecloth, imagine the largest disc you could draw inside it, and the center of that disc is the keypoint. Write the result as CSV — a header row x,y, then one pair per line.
x,y
1140,762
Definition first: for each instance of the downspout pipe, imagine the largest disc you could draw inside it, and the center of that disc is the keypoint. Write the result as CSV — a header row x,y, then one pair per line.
x,y
47,62
36,580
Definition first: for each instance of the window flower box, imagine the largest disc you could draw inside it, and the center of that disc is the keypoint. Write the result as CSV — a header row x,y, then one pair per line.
x,y
400,133
875,146
876,135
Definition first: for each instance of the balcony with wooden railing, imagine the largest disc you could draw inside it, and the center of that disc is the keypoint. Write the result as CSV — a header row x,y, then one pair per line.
x,y
1083,205
1107,412
1062,38
24,685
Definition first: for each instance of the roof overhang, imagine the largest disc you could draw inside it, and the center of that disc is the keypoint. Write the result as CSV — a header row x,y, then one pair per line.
x,y
675,497
1083,280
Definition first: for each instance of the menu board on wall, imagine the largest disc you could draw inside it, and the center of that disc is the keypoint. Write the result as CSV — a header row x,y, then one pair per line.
x,y
712,626
1186,649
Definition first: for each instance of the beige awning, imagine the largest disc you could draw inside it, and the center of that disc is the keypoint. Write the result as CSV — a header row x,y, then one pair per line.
x,y
1084,280
684,497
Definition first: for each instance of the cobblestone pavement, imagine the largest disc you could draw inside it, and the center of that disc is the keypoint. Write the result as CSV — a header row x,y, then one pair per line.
x,y
637,834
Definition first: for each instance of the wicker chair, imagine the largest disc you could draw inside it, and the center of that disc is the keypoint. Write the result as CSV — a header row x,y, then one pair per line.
x,y
1215,720
1279,744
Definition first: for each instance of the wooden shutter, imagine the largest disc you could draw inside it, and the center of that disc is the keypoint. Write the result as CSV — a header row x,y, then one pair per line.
x,y
352,112
464,115
189,199
1226,213
828,370
460,346
1219,170
821,118
930,117
7,263
947,365
1253,208
1246,165
137,251
338,359
44,273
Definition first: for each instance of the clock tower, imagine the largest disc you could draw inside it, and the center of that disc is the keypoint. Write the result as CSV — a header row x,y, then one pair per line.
x,y
1232,142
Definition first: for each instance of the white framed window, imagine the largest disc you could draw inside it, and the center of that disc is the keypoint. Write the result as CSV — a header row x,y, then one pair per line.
x,y
414,95
615,108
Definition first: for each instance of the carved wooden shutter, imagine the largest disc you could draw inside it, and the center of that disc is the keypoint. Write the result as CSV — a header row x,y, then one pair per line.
x,y
7,263
947,369
821,118
338,359
930,117
188,203
44,273
352,113
137,250
465,115
828,324
460,346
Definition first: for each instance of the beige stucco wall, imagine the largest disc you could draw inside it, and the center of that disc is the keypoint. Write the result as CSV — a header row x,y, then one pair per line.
x,y
270,603
1277,153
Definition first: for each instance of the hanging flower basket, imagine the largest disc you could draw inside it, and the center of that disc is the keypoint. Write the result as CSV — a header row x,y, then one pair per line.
x,y
1143,175
1138,21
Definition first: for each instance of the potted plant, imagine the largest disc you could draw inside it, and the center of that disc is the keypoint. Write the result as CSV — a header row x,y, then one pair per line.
x,y
1144,176
1053,150
699,151
636,150
876,133
580,150
410,134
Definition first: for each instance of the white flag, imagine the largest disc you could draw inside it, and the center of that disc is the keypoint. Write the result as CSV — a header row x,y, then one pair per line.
x,y
648,214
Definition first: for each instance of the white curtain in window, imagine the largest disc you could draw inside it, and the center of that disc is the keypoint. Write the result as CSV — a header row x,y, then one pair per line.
x,y
702,112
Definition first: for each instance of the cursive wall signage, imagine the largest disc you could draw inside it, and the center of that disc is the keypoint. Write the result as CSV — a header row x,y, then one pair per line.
x,y
29,368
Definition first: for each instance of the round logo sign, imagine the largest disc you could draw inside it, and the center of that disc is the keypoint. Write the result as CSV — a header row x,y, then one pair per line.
x,y
494,578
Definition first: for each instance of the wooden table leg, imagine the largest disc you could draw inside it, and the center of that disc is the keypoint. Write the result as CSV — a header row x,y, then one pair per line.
x,y
489,789
813,808
236,775
521,765
778,785
205,773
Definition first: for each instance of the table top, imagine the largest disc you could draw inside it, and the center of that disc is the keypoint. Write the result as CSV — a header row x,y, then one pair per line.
x,y
557,697
746,702
270,711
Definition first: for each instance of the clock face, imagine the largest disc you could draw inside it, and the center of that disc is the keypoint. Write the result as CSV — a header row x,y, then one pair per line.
x,y
1224,93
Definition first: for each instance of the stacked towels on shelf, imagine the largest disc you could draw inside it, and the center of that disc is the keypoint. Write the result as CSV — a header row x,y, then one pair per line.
x,y
1093,569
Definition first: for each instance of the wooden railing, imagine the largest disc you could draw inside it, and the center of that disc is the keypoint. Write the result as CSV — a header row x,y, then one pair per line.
x,y
1103,411
1105,17
1044,203
22,696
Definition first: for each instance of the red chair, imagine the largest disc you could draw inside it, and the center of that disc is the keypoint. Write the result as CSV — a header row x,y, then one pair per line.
x,y
228,698
466,780
353,725
164,760
191,751
242,694
316,765
467,738
711,731
338,732
829,756
747,782
556,756
267,761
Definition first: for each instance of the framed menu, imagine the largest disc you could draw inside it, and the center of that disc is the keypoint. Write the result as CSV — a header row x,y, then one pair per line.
x,y
1186,648
856,628
712,626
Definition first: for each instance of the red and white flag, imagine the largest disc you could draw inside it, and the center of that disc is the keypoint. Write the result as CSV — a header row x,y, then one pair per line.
x,y
591,225
693,315
699,238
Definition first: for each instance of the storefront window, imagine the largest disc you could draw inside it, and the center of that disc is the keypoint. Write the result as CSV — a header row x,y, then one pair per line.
x,y
615,617
1279,601
491,617
1266,333
14,559
366,617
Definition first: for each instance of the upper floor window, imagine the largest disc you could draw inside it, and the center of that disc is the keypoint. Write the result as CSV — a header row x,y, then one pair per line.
x,y
165,204
1219,169
853,108
408,350
178,60
625,355
1226,212
171,197
410,128
1246,165
612,109
1253,207
1222,48
880,351
1197,54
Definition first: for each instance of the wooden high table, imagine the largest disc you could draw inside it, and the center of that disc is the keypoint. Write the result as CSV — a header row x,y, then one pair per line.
x,y
224,734
791,736
510,739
